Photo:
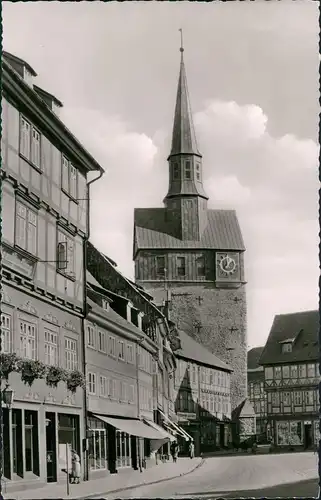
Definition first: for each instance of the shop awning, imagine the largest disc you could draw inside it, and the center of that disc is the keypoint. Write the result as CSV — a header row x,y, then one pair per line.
x,y
177,428
166,435
132,427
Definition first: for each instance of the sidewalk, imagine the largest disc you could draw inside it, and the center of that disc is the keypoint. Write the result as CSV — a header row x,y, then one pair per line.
x,y
124,480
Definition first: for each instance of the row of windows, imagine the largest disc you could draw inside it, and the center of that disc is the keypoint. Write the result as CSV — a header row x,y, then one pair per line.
x,y
187,171
97,339
26,238
146,361
145,398
256,389
110,388
28,346
30,149
291,397
310,370
210,402
180,266
208,376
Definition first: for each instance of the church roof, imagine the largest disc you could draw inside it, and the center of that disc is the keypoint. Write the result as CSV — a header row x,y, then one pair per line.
x,y
301,329
152,231
190,349
183,138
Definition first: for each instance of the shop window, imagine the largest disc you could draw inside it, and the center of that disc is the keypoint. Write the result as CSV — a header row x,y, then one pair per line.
x,y
97,452
68,431
123,449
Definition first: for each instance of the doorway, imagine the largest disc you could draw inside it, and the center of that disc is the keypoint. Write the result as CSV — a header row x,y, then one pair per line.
x,y
307,436
51,447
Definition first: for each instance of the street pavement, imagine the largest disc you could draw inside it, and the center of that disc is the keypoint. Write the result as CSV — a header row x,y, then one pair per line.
x,y
286,475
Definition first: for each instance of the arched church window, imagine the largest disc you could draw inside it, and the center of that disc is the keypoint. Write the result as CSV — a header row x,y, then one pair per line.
x,y
198,174
188,172
175,171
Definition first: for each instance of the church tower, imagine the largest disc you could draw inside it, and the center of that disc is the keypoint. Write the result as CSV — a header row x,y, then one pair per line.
x,y
186,200
193,256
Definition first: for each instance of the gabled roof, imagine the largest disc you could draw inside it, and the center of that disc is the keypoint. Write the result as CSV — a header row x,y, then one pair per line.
x,y
152,231
303,327
253,357
190,349
245,409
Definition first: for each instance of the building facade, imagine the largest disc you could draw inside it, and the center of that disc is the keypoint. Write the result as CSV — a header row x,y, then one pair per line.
x,y
256,391
195,253
203,399
291,379
44,228
153,363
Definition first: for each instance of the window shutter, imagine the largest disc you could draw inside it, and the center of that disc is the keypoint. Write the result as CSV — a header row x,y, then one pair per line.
x,y
21,215
65,175
62,255
32,233
35,148
73,181
25,138
70,265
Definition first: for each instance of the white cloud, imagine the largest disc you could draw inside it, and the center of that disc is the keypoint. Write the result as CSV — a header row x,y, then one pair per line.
x,y
272,182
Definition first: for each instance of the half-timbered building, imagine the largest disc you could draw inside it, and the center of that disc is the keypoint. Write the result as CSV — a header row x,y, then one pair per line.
x,y
256,391
44,228
291,379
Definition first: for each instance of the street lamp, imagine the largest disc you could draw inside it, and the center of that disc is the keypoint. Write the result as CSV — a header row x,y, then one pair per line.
x,y
7,396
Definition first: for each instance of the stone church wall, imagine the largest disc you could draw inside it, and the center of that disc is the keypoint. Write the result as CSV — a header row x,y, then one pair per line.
x,y
221,315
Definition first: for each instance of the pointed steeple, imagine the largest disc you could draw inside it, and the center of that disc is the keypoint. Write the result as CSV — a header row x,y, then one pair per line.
x,y
186,200
183,138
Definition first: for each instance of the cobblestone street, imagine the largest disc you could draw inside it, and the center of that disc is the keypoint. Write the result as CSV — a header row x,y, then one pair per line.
x,y
228,476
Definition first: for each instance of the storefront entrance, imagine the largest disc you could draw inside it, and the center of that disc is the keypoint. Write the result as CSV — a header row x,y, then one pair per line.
x,y
51,452
307,435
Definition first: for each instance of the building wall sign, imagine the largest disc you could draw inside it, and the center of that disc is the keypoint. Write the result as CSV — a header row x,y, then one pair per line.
x,y
186,416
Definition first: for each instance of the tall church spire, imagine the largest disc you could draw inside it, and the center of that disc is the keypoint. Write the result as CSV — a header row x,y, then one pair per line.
x,y
183,138
186,200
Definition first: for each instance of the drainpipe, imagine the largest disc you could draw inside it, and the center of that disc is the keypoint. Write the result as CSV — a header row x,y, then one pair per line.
x,y
86,475
138,344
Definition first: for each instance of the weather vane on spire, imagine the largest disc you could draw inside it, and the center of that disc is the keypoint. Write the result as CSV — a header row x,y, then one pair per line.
x,y
181,48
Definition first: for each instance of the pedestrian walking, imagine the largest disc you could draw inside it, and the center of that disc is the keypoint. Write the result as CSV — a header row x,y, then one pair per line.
x,y
191,449
75,467
174,451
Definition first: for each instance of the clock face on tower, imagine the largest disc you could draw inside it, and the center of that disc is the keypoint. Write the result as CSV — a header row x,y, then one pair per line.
x,y
227,266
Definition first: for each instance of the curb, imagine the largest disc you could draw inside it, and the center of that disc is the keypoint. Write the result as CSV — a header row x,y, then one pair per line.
x,y
141,484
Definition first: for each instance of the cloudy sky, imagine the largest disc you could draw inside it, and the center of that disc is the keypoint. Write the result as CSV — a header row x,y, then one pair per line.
x,y
252,69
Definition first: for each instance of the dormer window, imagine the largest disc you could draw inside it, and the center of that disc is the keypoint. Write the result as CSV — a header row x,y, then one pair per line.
x,y
105,304
188,170
27,76
287,347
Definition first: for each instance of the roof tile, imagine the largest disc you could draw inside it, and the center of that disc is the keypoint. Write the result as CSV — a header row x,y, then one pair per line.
x,y
304,327
153,231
